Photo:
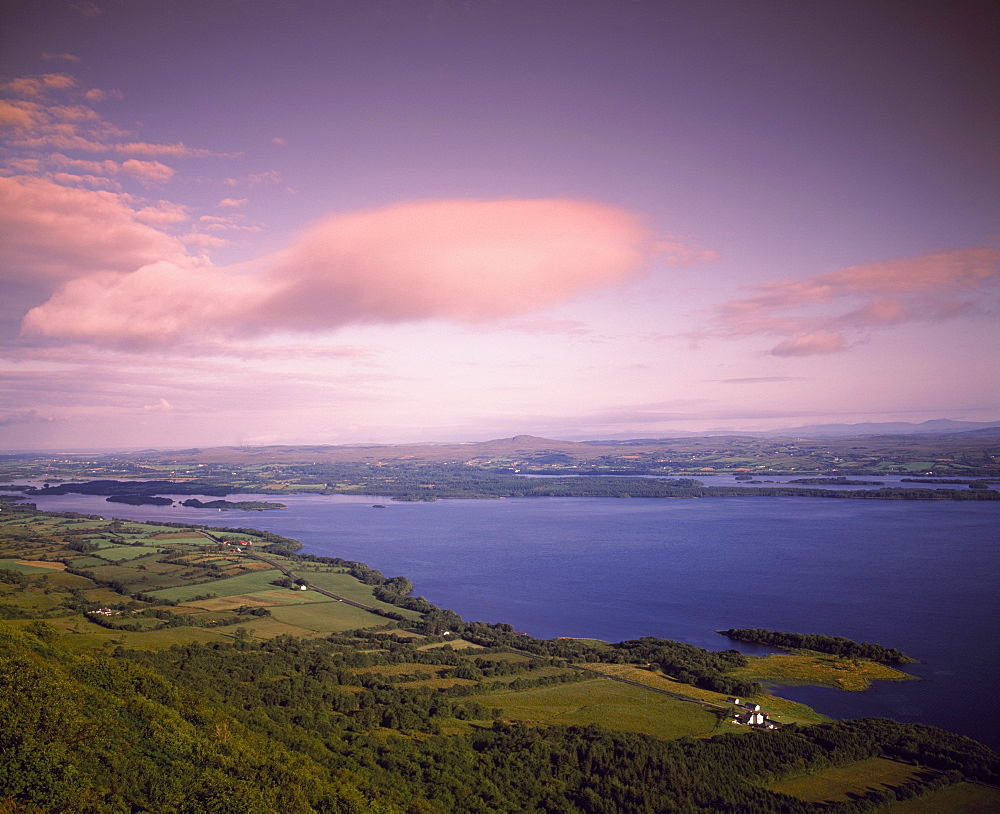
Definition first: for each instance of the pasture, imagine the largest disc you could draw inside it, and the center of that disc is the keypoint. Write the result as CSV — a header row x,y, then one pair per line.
x,y
961,798
608,703
126,553
780,709
806,667
840,783
242,584
324,617
30,567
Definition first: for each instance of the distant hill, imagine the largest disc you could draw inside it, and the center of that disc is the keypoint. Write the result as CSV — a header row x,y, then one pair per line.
x,y
938,426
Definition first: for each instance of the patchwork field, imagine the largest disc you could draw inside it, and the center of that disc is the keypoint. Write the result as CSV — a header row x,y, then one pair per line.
x,y
242,584
125,553
31,567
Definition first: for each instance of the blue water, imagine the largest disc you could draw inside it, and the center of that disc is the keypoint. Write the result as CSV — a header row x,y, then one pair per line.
x,y
918,576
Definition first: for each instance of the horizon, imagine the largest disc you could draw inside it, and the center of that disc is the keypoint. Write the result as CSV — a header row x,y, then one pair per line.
x,y
780,433
376,223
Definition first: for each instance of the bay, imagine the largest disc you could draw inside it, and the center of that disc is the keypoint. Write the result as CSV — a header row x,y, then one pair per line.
x,y
918,576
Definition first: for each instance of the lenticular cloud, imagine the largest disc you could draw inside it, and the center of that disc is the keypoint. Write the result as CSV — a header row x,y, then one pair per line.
x,y
458,260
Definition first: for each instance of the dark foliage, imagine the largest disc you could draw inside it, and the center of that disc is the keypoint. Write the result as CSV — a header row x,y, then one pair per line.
x,y
835,645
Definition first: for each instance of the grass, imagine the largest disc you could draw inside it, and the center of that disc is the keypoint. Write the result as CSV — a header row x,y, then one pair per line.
x,y
807,667
242,584
29,567
181,537
88,562
346,586
840,783
780,709
961,798
455,644
617,706
265,599
125,553
322,617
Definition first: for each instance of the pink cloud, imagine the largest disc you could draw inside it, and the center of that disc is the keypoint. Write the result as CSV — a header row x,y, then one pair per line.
x,y
204,241
75,180
160,302
810,344
459,260
106,167
813,313
21,115
178,150
100,95
52,231
557,327
164,212
233,202
149,172
38,122
677,251
35,86
88,9
270,177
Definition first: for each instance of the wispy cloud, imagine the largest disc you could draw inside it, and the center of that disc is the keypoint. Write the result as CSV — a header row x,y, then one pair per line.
x,y
823,314
46,112
38,86
67,57
762,380
811,344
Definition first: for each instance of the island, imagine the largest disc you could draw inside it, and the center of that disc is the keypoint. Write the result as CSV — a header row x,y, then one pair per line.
x,y
242,505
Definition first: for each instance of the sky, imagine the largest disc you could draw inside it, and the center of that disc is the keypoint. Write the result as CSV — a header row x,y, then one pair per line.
x,y
374,221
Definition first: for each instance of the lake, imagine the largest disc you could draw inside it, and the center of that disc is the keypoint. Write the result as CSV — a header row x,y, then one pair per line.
x,y
918,576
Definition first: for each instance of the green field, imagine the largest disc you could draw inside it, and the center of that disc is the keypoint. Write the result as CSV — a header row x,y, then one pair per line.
x,y
242,584
779,709
23,567
608,703
323,616
961,798
806,667
843,782
125,553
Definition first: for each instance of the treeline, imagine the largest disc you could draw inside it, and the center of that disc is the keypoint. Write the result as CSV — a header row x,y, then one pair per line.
x,y
288,725
835,645
682,662
130,487
429,481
